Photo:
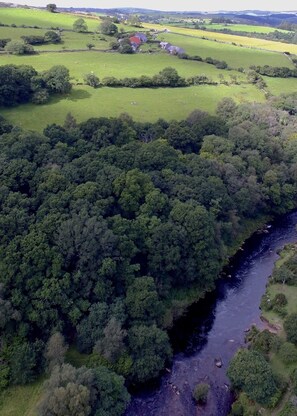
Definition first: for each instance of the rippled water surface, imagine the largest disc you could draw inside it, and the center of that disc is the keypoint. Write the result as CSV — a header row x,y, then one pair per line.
x,y
214,328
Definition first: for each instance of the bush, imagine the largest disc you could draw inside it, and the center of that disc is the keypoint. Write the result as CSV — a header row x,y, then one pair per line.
x,y
266,303
200,393
18,47
107,27
290,326
237,409
4,42
80,26
52,37
111,82
40,96
294,381
249,371
126,49
33,40
288,353
92,80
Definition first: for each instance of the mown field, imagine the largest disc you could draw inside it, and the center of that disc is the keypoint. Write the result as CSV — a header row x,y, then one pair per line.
x,y
142,104
243,28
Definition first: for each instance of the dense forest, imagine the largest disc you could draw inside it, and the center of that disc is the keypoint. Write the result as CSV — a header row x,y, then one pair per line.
x,y
102,222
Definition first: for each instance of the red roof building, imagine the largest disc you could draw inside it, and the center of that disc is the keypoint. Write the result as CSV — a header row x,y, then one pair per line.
x,y
135,40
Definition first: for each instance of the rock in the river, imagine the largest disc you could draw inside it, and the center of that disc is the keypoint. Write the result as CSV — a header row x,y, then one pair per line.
x,y
218,362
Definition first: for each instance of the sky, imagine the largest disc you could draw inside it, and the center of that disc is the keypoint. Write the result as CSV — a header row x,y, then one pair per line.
x,y
193,5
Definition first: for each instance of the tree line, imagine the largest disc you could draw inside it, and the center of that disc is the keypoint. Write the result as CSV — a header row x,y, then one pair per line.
x,y
101,221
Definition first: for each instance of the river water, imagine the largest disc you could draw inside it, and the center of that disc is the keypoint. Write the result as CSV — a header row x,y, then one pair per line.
x,y
214,329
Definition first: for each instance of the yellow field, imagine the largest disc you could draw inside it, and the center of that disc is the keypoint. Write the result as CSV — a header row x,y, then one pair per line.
x,y
238,40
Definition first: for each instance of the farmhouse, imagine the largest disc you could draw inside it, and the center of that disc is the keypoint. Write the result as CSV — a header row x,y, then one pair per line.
x,y
141,36
165,45
135,42
175,50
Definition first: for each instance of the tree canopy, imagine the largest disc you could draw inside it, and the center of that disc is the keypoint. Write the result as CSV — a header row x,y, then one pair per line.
x,y
250,372
103,221
80,25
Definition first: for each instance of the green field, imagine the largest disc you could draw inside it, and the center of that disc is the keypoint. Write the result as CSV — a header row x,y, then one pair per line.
x,y
43,18
279,86
21,400
234,55
16,32
70,40
117,65
229,39
243,28
143,104
291,294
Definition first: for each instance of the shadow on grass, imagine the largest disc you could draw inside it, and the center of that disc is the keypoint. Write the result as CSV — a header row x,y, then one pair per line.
x,y
78,95
74,96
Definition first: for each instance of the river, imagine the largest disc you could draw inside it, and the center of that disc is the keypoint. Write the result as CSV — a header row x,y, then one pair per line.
x,y
214,328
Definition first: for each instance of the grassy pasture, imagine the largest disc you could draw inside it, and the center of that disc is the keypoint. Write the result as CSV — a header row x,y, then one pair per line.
x,y
142,104
291,295
235,56
70,40
21,400
117,65
43,18
279,86
244,28
16,32
238,40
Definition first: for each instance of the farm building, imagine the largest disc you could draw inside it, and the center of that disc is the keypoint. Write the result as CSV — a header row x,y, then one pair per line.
x,y
175,50
141,36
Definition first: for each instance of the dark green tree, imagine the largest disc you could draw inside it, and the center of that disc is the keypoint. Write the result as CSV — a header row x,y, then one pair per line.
x,y
150,351
90,329
111,346
52,37
143,304
92,80
51,7
55,351
250,372
18,47
23,364
107,27
290,326
80,25
57,80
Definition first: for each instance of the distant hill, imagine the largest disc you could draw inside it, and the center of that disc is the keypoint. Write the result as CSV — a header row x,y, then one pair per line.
x,y
265,18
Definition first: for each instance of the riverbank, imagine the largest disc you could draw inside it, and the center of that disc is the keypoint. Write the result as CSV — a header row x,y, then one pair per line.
x,y
181,299
215,327
278,303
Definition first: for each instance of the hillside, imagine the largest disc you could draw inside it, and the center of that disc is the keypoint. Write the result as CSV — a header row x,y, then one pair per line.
x,y
238,52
